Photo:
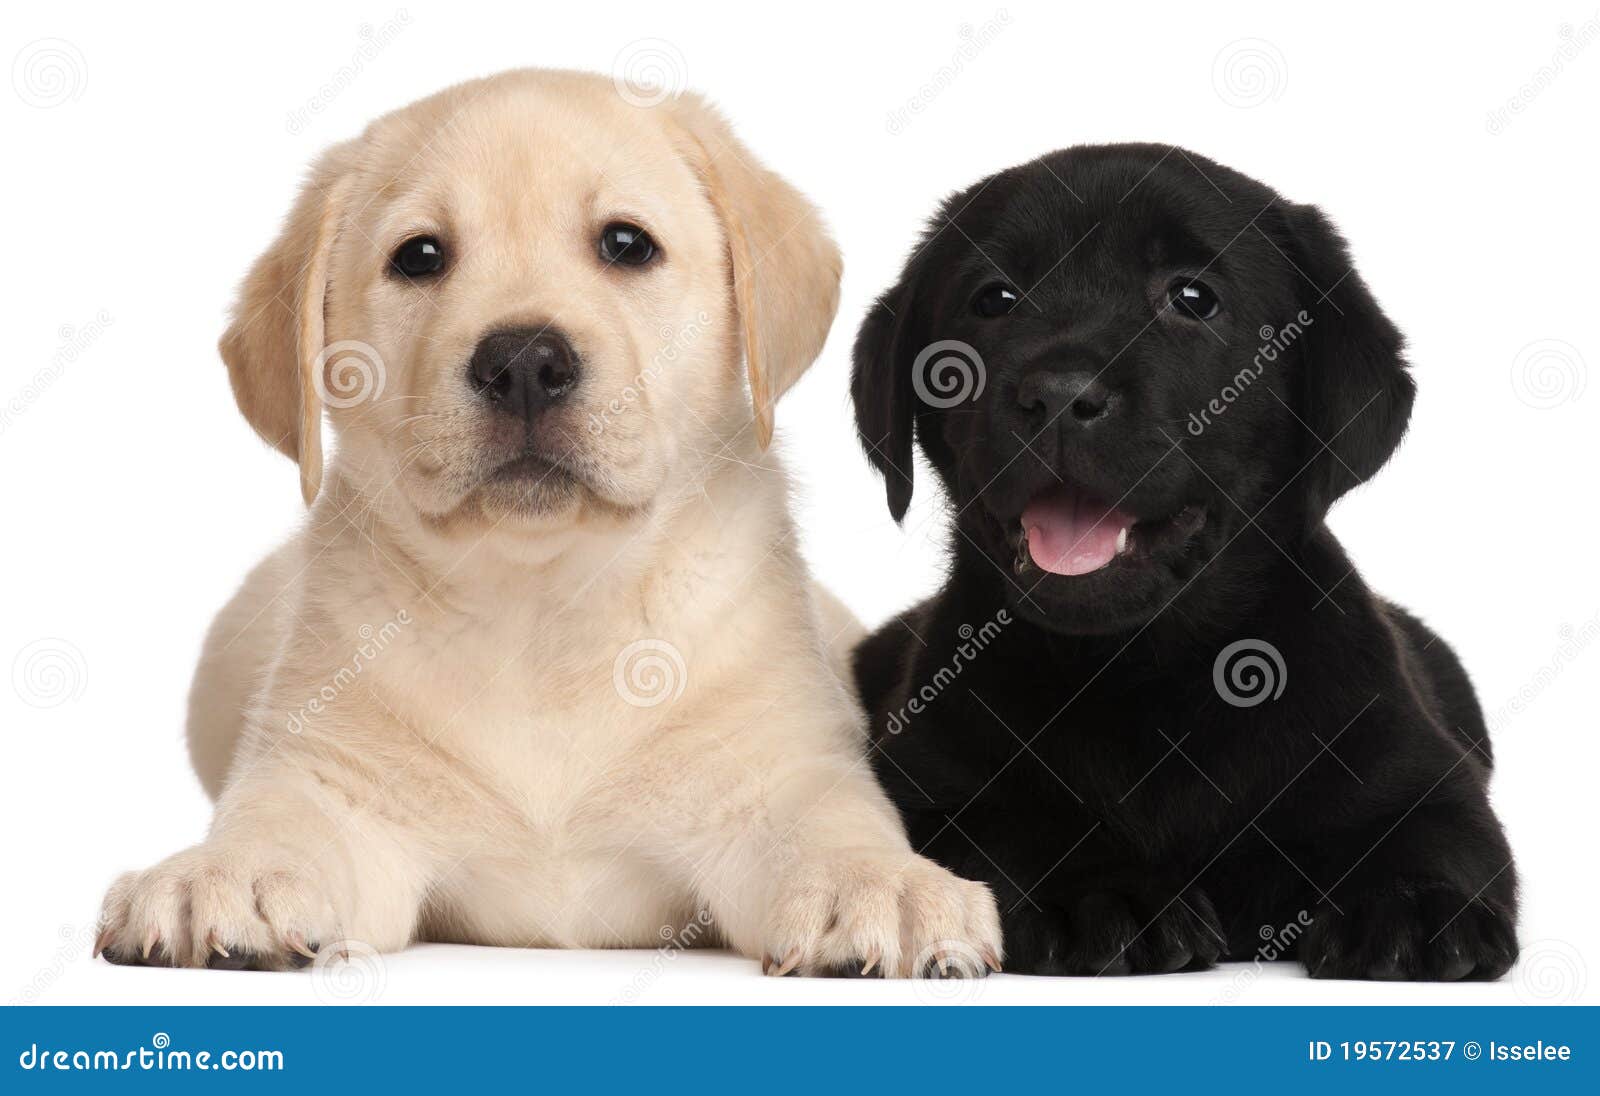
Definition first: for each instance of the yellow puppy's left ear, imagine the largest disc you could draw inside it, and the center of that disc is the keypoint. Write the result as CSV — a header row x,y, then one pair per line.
x,y
274,346
785,267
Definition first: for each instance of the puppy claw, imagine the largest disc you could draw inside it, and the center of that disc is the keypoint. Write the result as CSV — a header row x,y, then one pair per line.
x,y
102,941
790,961
215,945
151,939
295,942
872,961
991,960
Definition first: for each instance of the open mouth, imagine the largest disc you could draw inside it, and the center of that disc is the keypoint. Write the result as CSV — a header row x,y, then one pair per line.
x,y
1065,530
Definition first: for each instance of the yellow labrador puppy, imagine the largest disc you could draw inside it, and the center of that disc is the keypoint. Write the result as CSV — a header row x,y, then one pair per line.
x,y
543,668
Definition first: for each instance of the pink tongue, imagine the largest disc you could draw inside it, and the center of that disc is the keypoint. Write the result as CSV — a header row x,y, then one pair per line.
x,y
1070,533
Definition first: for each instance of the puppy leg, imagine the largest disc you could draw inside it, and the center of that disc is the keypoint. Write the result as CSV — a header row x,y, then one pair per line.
x,y
1432,899
300,857
817,878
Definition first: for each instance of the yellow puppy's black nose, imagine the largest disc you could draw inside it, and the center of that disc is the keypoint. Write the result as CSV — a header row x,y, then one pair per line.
x,y
524,370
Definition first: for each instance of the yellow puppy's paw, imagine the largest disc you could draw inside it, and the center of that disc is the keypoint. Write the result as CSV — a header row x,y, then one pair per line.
x,y
867,913
222,909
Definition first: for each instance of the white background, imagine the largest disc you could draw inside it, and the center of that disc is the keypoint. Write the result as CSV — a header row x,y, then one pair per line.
x,y
146,174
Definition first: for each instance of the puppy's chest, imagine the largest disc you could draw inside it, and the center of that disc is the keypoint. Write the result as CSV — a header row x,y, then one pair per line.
x,y
1145,767
547,737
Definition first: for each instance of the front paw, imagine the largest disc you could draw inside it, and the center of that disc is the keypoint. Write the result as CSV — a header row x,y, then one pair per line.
x,y
1113,931
865,913
225,909
1436,934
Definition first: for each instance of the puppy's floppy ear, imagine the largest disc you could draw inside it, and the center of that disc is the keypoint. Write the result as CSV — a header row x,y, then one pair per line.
x,y
785,267
1354,390
880,386
274,345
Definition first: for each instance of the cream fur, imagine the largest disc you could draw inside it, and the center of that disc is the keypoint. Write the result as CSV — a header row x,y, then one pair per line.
x,y
413,716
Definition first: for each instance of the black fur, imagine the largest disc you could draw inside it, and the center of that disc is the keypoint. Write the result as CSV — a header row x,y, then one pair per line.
x,y
1065,739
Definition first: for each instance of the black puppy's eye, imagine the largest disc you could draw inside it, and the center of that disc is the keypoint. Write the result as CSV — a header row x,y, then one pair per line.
x,y
1194,299
996,300
418,257
626,244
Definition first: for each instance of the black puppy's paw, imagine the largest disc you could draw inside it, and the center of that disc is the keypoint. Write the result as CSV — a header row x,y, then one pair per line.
x,y
1433,935
1112,932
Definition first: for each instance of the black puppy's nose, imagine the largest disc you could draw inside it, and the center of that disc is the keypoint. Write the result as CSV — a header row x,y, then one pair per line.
x,y
1070,397
524,370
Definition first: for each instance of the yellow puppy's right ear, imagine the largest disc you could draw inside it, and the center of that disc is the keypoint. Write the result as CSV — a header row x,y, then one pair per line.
x,y
783,265
274,346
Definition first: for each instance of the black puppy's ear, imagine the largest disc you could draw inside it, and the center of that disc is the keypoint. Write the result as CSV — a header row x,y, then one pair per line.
x,y
1355,393
880,385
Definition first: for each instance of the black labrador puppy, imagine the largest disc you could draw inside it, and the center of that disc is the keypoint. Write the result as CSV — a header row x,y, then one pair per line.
x,y
1154,706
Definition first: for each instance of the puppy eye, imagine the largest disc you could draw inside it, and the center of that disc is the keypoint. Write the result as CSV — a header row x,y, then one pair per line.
x,y
996,300
626,244
418,257
1194,299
